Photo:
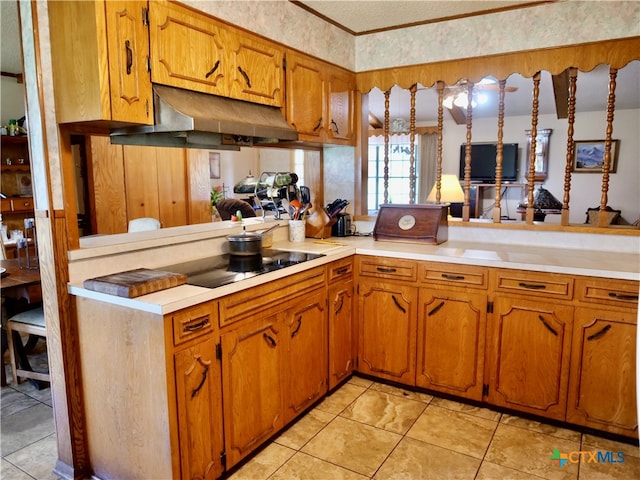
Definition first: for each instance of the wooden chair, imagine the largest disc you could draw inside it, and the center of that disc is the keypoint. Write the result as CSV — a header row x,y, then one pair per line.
x,y
612,215
30,322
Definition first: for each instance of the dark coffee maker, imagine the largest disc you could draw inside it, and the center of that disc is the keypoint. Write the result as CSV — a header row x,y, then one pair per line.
x,y
342,228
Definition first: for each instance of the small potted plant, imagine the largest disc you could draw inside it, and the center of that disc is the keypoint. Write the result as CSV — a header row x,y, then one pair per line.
x,y
217,194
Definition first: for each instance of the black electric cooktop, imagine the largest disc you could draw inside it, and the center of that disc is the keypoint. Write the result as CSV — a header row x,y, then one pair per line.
x,y
221,270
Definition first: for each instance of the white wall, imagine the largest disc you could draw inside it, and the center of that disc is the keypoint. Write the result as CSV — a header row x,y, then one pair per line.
x,y
12,100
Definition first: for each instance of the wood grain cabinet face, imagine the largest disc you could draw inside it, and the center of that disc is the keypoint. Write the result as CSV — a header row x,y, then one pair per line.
x,y
187,49
529,348
307,375
252,385
198,378
341,105
341,331
387,329
451,342
100,64
602,388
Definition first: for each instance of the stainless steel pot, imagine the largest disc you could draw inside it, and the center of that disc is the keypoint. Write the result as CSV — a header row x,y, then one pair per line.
x,y
247,243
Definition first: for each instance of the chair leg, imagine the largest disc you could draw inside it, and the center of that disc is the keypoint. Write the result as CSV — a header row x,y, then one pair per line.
x,y
11,338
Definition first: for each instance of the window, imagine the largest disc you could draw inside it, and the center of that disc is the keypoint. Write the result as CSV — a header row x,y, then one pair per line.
x,y
399,164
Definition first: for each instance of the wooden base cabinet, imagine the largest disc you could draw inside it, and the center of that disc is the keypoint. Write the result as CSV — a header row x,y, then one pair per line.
x,y
529,352
387,326
602,383
451,342
341,322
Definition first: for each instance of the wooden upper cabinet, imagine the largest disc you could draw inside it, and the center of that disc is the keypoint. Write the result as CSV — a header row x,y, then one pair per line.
x,y
257,71
341,104
320,100
187,49
191,50
100,69
305,96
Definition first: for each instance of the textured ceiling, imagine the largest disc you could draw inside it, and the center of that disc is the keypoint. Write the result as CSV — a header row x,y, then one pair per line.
x,y
363,16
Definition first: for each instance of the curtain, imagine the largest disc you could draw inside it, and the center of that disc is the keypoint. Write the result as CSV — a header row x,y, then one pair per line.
x,y
428,146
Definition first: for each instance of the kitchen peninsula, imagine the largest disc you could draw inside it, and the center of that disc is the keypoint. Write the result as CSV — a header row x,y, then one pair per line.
x,y
278,342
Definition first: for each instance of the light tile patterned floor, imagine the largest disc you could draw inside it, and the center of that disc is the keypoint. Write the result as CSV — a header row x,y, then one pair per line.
x,y
364,430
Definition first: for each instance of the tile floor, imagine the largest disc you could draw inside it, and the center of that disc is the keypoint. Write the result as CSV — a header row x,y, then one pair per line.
x,y
363,430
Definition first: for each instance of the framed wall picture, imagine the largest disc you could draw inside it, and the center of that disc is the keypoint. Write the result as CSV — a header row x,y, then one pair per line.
x,y
588,156
214,164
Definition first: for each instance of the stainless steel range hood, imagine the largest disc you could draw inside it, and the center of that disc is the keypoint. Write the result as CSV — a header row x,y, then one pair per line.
x,y
197,120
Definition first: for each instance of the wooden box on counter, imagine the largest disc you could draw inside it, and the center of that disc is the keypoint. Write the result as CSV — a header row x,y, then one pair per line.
x,y
412,223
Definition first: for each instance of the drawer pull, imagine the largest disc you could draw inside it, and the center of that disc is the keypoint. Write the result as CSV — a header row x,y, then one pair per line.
x,y
599,333
395,300
386,270
295,332
196,326
270,340
340,306
622,296
129,53
213,70
195,391
342,271
532,286
435,309
549,327
449,276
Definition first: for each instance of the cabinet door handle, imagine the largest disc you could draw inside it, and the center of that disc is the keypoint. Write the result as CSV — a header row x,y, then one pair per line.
x,y
334,127
449,276
195,391
318,125
127,47
599,333
532,286
340,306
435,309
196,326
270,340
246,77
386,270
212,71
295,332
549,327
622,296
342,271
395,300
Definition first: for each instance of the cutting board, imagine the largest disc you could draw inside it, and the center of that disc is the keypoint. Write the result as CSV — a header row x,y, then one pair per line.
x,y
134,283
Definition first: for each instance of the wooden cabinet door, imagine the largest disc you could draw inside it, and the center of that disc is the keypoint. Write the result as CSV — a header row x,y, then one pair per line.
x,y
108,199
341,335
252,385
602,383
257,73
199,403
387,328
187,49
128,44
451,342
306,101
341,107
172,186
307,356
530,350
141,182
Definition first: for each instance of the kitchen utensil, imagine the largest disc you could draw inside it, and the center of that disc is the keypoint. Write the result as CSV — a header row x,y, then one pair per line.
x,y
305,195
247,243
295,203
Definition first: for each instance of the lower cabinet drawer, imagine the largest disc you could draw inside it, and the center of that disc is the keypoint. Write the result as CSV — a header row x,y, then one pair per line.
x,y
451,275
533,283
388,268
193,322
622,293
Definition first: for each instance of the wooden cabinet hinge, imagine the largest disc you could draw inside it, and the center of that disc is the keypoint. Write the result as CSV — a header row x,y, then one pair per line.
x,y
489,307
218,351
485,389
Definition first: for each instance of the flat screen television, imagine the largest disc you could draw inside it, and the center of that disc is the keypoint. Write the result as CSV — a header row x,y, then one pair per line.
x,y
483,162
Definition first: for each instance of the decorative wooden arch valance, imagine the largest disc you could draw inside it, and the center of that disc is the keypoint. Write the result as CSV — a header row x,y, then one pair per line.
x,y
585,57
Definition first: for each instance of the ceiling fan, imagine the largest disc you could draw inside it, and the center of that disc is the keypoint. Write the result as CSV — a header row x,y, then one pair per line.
x,y
456,95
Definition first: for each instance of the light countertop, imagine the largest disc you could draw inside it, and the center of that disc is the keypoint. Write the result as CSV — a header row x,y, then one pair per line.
x,y
553,260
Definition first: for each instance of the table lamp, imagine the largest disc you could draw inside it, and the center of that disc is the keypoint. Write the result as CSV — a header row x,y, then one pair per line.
x,y
450,190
